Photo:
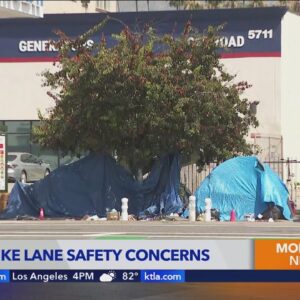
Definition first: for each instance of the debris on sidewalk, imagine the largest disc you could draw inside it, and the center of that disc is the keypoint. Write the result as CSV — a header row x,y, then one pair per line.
x,y
93,218
132,218
249,217
113,215
201,217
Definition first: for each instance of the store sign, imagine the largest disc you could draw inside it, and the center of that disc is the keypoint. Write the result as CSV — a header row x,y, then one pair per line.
x,y
3,175
42,46
245,33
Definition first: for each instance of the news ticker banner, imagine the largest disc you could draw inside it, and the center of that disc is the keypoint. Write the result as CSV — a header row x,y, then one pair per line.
x,y
126,254
150,261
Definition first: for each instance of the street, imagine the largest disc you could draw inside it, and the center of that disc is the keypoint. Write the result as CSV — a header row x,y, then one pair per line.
x,y
133,230
73,229
126,291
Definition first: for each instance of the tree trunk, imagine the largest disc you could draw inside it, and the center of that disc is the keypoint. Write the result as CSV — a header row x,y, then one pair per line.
x,y
139,175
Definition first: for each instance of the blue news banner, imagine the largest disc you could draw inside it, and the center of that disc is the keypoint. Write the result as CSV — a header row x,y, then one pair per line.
x,y
164,261
151,276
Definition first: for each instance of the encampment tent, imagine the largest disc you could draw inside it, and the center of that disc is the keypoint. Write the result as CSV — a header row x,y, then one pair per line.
x,y
95,185
245,185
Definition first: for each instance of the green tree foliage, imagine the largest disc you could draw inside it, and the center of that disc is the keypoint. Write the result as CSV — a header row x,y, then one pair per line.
x,y
85,3
292,5
145,96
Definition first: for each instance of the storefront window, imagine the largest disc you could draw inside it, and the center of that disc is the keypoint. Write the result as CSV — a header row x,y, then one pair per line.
x,y
18,126
18,142
20,139
48,156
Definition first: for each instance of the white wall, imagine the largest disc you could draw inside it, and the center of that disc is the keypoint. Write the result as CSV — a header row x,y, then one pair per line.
x,y
21,84
290,85
21,91
263,73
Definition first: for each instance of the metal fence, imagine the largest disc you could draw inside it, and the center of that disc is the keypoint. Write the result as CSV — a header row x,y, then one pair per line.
x,y
270,152
286,169
191,178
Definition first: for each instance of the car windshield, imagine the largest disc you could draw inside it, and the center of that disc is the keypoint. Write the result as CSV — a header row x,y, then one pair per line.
x,y
11,157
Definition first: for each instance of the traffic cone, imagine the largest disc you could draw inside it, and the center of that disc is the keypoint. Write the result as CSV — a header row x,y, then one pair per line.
x,y
42,214
232,216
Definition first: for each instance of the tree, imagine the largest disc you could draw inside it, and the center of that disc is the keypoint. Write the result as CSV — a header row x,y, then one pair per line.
x,y
186,4
292,5
145,96
85,3
198,4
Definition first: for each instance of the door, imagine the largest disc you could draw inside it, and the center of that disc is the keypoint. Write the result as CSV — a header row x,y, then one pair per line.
x,y
37,168
27,166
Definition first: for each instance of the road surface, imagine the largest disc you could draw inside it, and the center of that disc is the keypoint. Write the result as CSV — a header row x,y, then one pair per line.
x,y
139,291
73,229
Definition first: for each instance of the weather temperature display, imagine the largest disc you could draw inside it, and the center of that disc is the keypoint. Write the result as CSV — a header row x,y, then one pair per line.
x,y
130,276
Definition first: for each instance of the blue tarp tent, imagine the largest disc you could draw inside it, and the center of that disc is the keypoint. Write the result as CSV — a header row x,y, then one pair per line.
x,y
96,184
245,185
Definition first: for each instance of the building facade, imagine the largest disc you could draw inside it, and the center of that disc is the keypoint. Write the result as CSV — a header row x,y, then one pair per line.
x,y
262,48
21,9
157,5
56,7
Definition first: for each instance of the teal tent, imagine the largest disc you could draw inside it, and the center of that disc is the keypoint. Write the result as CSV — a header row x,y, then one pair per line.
x,y
245,185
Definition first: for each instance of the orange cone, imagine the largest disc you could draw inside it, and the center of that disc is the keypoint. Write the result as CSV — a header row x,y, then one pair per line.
x,y
42,214
232,216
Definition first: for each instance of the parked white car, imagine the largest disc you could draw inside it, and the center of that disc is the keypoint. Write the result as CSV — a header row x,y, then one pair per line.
x,y
25,167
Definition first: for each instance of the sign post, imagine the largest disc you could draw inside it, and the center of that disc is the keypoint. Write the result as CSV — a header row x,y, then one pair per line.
x,y
3,163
